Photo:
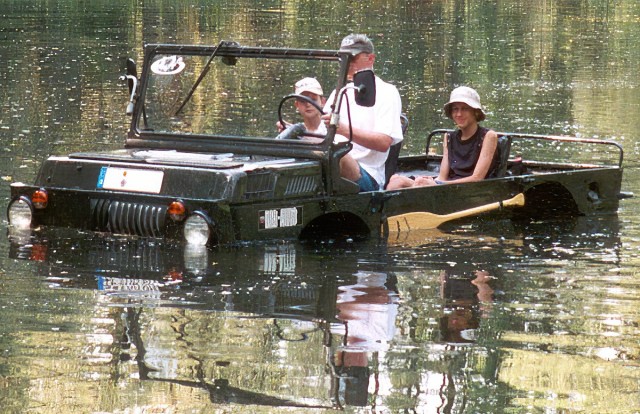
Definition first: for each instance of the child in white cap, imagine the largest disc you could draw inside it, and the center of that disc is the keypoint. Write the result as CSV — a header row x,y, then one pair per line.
x,y
310,88
469,152
312,123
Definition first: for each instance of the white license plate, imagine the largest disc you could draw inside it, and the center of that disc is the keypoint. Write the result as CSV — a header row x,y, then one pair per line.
x,y
126,179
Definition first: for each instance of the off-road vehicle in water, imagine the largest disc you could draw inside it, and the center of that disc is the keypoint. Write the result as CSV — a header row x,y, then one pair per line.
x,y
201,162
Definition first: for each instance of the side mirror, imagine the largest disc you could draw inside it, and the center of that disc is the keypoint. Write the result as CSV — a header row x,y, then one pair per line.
x,y
365,84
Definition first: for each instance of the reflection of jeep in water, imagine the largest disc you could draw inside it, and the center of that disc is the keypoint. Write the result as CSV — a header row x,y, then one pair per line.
x,y
189,168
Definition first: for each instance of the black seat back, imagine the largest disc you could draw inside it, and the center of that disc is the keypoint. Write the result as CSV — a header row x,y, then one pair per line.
x,y
391,164
501,158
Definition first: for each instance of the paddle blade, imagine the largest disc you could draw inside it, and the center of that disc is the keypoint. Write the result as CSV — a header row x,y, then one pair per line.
x,y
414,221
517,201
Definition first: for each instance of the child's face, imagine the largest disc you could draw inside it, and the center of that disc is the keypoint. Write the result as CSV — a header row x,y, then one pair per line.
x,y
306,109
463,115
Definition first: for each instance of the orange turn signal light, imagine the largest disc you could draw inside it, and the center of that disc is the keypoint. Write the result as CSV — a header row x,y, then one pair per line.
x,y
177,211
40,199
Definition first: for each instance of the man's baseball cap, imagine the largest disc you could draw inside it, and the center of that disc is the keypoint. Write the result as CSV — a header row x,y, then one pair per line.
x,y
356,43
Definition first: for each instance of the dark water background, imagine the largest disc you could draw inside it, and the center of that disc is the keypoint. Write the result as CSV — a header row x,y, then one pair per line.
x,y
486,318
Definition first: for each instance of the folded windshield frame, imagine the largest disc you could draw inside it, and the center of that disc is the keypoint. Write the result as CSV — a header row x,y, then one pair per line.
x,y
212,118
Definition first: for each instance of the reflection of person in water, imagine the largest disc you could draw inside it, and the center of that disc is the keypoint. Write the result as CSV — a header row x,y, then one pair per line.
x,y
367,310
467,297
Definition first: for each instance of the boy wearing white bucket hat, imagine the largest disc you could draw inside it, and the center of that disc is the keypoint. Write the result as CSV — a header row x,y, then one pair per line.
x,y
469,152
466,95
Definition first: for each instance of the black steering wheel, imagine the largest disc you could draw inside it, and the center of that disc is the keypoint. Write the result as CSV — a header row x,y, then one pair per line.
x,y
306,99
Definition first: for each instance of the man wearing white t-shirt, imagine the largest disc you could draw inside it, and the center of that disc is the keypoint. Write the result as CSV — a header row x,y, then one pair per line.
x,y
374,129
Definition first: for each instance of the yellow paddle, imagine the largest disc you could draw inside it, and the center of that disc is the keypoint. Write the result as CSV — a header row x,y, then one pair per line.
x,y
422,220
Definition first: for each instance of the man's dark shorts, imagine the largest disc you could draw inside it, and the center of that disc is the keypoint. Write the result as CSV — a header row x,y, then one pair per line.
x,y
366,181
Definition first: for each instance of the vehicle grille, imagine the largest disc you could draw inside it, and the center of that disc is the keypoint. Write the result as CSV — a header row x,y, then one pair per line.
x,y
303,184
260,186
128,218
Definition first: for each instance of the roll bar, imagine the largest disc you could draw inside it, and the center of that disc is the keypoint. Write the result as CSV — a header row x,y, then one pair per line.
x,y
557,138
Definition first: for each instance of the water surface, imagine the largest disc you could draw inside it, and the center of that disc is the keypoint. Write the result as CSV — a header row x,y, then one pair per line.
x,y
488,317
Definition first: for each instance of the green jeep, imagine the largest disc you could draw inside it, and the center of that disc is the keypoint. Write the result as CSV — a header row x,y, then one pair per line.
x,y
188,172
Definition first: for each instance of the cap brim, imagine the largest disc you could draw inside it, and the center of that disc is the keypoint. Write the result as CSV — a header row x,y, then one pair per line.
x,y
352,52
310,90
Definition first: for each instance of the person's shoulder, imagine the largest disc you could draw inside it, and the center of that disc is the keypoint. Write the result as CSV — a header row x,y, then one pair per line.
x,y
384,84
484,132
491,134
456,133
388,90
490,137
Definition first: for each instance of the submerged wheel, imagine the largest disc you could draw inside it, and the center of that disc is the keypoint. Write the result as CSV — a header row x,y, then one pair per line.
x,y
548,200
341,225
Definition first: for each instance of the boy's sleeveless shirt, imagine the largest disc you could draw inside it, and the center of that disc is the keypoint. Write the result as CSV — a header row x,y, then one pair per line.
x,y
464,155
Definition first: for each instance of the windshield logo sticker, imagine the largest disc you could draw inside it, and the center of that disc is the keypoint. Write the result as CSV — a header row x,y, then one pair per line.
x,y
168,65
280,217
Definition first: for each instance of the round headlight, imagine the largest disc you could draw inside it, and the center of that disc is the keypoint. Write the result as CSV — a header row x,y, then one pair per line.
x,y
20,213
197,229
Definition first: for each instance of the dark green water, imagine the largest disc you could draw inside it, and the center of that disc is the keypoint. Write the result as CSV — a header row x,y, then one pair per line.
x,y
495,319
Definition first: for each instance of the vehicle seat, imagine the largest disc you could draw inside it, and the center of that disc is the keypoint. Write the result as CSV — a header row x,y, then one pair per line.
x,y
503,148
391,164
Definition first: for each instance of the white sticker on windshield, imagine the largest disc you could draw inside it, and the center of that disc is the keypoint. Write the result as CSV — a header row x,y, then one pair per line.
x,y
169,65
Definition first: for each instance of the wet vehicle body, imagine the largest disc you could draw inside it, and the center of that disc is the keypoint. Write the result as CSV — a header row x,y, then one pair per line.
x,y
186,173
